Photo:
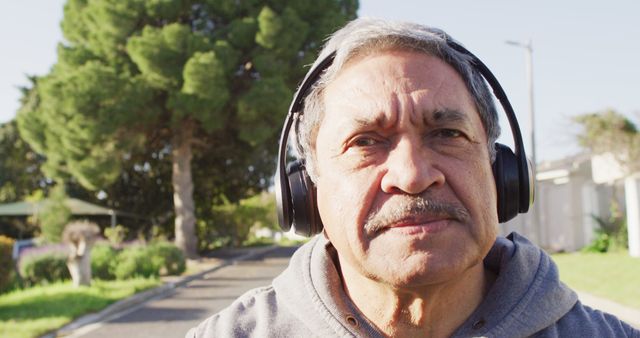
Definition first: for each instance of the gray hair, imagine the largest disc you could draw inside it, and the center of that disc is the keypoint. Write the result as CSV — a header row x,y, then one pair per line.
x,y
367,36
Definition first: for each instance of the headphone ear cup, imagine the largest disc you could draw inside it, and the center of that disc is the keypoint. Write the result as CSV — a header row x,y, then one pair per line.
x,y
283,199
507,177
306,218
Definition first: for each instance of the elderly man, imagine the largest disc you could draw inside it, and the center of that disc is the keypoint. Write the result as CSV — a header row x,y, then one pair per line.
x,y
397,129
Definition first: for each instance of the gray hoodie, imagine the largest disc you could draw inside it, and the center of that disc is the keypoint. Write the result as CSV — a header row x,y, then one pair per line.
x,y
307,300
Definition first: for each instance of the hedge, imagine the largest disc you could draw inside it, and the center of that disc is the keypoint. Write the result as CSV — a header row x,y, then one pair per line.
x,y
44,269
6,262
48,264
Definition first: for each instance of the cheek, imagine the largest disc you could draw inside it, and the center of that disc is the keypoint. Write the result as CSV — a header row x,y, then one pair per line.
x,y
338,203
474,186
335,215
481,199
344,202
489,195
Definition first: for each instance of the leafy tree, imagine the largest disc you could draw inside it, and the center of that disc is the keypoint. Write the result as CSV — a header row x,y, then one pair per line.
x,y
54,215
143,187
178,73
19,166
20,178
611,132
143,190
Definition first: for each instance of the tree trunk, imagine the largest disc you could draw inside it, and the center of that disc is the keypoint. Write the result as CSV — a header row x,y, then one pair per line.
x,y
185,223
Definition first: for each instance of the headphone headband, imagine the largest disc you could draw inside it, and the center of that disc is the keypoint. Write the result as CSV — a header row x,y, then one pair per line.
x,y
297,206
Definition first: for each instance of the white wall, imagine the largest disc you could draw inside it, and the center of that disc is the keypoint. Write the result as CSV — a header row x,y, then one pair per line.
x,y
567,200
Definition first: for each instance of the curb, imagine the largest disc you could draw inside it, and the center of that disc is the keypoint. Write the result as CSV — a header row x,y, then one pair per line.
x,y
119,308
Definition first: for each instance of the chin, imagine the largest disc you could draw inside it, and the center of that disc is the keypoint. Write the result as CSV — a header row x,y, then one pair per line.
x,y
413,267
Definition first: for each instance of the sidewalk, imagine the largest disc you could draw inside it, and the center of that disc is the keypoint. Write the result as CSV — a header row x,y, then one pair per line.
x,y
626,313
203,266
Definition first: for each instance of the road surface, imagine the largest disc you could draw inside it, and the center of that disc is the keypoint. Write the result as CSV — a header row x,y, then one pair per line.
x,y
187,306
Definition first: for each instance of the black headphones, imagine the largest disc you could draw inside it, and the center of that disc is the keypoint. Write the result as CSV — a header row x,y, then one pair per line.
x,y
296,193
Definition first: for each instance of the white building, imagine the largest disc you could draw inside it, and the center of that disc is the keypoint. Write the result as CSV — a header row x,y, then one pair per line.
x,y
569,198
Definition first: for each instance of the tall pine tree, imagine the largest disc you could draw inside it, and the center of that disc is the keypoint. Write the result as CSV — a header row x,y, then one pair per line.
x,y
180,71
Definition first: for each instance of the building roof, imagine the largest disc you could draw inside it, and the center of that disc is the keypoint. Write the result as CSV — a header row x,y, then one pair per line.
x,y
77,207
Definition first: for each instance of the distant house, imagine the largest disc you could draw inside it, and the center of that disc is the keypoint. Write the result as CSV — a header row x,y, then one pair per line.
x,y
569,198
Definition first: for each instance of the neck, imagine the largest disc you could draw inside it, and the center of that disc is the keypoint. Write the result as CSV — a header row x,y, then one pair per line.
x,y
435,310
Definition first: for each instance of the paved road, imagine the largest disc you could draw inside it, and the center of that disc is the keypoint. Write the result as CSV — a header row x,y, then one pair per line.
x,y
189,305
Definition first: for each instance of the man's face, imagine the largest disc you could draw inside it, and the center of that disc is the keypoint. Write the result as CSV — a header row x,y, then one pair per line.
x,y
405,187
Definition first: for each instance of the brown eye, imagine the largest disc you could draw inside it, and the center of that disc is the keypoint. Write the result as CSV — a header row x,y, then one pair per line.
x,y
365,142
449,133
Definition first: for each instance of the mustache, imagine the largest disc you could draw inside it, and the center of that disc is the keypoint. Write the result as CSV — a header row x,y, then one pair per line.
x,y
413,207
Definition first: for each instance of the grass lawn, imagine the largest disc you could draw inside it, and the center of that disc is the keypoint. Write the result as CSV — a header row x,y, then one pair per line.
x,y
614,276
35,311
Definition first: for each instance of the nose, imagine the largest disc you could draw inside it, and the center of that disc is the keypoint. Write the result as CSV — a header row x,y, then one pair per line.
x,y
410,169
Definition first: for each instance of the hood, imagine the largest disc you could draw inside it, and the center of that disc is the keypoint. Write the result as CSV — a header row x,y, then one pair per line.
x,y
311,289
527,295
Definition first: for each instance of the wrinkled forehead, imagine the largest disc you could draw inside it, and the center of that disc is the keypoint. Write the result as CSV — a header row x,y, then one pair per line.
x,y
433,46
392,82
391,69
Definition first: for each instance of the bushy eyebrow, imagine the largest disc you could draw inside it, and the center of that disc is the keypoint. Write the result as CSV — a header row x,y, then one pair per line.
x,y
379,120
444,116
437,117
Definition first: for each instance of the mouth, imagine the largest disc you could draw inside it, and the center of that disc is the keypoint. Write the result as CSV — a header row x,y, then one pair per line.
x,y
417,225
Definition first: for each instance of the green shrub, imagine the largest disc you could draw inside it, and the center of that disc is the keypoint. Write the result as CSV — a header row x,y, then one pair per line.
x,y
600,242
12,284
102,258
156,259
6,262
44,269
167,258
230,224
54,215
134,261
116,235
611,234
212,235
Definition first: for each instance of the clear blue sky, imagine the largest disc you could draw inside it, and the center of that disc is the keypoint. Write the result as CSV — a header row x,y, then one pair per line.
x,y
586,53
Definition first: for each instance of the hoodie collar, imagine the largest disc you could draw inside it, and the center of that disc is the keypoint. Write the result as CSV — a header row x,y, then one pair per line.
x,y
527,295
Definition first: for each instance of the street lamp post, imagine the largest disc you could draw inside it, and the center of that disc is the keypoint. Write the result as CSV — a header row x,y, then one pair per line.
x,y
528,47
